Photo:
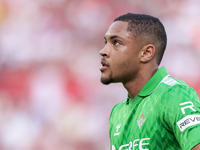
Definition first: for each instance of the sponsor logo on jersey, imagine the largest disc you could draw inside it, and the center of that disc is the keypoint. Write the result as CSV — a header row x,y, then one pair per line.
x,y
141,121
117,129
188,121
136,144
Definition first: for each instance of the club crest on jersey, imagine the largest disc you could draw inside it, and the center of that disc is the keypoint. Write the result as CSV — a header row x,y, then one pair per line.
x,y
141,121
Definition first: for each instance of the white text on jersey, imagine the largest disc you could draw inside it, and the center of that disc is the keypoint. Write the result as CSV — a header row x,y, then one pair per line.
x,y
138,143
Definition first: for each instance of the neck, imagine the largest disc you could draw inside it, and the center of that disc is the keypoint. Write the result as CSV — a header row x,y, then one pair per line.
x,y
135,85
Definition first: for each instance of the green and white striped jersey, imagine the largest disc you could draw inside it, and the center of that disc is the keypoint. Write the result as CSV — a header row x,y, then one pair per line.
x,y
165,115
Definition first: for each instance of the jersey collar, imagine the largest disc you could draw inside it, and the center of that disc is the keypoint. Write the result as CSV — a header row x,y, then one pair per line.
x,y
152,84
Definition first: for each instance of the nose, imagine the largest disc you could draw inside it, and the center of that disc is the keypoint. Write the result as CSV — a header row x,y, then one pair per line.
x,y
104,52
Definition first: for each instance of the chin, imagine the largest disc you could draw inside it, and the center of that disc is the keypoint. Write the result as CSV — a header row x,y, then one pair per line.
x,y
106,80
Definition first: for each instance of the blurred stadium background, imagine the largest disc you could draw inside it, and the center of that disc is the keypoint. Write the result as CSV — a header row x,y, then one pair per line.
x,y
51,97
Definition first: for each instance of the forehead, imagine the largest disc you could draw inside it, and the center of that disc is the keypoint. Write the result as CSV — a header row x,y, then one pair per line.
x,y
118,28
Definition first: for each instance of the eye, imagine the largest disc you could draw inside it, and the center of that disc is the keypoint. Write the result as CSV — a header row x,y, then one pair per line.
x,y
105,42
116,42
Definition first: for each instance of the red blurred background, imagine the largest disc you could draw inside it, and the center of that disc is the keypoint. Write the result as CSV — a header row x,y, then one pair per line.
x,y
51,97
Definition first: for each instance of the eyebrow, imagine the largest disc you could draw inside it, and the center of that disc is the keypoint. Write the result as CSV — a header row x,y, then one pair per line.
x,y
113,37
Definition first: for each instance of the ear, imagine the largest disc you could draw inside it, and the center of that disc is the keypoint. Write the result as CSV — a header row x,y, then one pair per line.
x,y
148,52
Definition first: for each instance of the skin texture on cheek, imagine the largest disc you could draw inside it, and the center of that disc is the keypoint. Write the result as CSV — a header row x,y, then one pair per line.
x,y
123,66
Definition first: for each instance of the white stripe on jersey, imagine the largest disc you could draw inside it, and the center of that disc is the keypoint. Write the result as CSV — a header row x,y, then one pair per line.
x,y
169,81
166,80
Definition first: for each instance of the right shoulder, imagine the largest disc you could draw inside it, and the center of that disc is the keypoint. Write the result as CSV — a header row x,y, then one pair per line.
x,y
117,107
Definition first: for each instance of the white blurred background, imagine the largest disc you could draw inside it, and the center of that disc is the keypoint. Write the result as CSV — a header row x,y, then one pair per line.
x,y
51,97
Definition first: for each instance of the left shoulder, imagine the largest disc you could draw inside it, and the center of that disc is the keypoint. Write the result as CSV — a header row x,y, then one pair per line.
x,y
178,96
180,92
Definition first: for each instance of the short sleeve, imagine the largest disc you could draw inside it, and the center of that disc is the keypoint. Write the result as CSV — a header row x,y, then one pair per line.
x,y
180,113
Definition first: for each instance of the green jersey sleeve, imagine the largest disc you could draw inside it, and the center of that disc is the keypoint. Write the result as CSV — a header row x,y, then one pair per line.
x,y
180,113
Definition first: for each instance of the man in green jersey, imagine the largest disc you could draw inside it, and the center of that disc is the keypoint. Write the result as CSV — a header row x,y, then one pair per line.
x,y
160,112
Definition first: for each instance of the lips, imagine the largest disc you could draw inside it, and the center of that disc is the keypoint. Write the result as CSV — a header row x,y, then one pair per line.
x,y
104,64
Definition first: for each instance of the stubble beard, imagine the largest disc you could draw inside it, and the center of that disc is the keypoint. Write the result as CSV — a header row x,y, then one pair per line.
x,y
108,80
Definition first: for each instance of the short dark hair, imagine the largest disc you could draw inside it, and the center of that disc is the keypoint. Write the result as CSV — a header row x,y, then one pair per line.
x,y
142,24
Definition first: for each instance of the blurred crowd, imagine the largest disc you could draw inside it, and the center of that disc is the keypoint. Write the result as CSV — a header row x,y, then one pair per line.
x,y
51,97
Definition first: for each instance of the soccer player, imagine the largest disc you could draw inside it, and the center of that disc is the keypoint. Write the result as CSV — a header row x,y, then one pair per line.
x,y
160,112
